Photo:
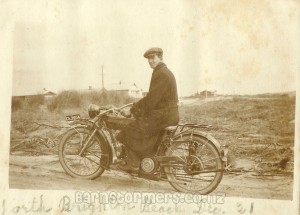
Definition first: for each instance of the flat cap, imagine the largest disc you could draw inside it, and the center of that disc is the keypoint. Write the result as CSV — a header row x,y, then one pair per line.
x,y
154,50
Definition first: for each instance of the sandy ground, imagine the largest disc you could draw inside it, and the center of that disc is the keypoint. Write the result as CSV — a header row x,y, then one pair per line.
x,y
45,172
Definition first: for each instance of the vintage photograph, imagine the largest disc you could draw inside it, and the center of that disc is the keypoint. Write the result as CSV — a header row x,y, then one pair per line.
x,y
188,97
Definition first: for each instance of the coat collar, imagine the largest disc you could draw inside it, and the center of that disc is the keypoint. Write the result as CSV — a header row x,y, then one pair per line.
x,y
159,66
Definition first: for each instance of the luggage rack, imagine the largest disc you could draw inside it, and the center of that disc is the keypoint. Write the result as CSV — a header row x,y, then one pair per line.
x,y
183,127
193,125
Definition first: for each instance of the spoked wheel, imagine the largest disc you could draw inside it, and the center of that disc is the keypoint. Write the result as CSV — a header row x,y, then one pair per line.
x,y
197,168
91,163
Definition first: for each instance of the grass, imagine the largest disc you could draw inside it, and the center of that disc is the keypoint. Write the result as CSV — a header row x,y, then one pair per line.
x,y
255,127
31,101
75,99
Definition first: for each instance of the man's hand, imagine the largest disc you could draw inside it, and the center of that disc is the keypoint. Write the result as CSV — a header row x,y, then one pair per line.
x,y
126,112
136,111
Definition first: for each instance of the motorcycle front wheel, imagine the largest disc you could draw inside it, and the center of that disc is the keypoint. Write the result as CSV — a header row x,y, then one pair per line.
x,y
91,163
200,167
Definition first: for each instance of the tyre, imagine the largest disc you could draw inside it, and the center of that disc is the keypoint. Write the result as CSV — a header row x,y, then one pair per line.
x,y
93,160
195,156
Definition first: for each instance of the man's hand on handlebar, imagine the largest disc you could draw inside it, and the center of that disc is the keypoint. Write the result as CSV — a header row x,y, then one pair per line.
x,y
126,112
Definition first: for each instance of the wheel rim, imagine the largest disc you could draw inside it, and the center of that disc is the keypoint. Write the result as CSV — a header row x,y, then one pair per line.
x,y
184,176
89,162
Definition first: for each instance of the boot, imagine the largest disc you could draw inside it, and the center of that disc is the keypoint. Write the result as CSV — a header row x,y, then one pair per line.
x,y
131,163
127,168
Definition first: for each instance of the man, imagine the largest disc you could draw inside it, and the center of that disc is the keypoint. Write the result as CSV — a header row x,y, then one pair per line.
x,y
157,110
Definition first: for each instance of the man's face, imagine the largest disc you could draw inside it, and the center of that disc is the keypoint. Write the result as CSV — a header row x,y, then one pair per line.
x,y
154,60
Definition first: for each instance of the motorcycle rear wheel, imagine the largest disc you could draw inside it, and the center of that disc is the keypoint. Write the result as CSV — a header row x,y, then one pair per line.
x,y
91,163
183,175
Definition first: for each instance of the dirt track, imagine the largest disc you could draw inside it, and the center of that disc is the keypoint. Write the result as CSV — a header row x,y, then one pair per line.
x,y
45,172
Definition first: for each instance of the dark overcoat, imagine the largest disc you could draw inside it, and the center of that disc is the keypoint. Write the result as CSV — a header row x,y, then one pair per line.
x,y
157,110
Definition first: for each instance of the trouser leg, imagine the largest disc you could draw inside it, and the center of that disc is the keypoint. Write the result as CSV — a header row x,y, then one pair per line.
x,y
140,138
132,158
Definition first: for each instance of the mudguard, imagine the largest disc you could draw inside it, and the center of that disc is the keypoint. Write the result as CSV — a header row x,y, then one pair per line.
x,y
88,124
202,134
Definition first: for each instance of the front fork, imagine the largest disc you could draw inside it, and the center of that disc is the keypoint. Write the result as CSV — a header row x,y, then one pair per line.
x,y
87,142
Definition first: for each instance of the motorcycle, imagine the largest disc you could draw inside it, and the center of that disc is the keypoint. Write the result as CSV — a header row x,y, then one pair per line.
x,y
188,158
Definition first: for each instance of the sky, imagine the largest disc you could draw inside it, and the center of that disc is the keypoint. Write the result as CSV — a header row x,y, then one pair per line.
x,y
233,47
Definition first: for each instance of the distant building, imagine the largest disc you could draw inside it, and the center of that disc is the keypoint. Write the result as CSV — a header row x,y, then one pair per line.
x,y
29,95
48,94
207,93
91,89
127,89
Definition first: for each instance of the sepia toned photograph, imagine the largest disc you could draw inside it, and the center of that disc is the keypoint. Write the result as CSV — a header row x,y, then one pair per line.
x,y
183,97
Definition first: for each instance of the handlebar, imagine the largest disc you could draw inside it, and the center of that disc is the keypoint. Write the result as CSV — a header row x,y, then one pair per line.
x,y
115,108
127,105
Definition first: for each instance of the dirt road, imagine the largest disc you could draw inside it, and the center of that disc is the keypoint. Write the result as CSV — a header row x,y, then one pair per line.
x,y
45,172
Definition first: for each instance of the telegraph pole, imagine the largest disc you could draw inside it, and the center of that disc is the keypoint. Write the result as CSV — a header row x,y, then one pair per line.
x,y
102,79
